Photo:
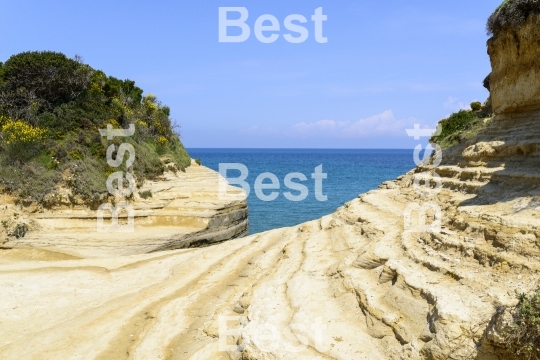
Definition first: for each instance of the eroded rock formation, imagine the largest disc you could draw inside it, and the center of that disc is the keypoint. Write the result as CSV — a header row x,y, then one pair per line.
x,y
184,210
515,78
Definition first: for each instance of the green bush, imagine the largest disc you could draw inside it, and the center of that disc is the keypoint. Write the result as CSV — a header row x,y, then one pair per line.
x,y
524,337
476,106
29,181
88,178
460,121
113,87
33,81
461,125
20,140
511,13
70,102
145,194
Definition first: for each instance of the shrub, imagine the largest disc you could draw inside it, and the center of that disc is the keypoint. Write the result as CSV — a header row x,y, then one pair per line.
x,y
462,120
3,120
198,161
76,154
113,87
172,168
486,82
147,162
20,140
511,13
32,180
19,231
476,106
88,178
162,141
42,80
46,160
51,108
18,132
524,338
146,194
461,125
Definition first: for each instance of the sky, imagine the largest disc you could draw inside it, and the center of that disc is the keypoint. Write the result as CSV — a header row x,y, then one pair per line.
x,y
385,66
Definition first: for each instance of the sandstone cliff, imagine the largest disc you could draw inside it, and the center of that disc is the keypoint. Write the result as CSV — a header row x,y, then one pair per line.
x,y
184,211
352,285
514,82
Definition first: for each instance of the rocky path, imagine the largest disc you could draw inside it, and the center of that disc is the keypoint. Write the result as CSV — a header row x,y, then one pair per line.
x,y
168,305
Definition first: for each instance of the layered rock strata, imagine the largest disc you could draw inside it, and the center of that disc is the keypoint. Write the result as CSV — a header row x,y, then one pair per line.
x,y
184,210
515,78
352,285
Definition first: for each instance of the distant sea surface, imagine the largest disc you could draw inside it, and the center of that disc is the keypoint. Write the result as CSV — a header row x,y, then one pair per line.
x,y
350,173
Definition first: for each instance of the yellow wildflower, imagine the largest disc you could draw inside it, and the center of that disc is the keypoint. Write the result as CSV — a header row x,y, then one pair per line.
x,y
162,141
19,132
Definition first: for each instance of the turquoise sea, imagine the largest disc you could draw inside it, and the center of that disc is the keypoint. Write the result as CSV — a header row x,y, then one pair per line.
x,y
349,173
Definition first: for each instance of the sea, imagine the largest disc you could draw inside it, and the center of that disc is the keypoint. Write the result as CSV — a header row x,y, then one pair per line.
x,y
348,174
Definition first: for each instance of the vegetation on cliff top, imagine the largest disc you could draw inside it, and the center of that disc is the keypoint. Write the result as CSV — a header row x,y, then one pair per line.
x,y
51,110
462,125
511,13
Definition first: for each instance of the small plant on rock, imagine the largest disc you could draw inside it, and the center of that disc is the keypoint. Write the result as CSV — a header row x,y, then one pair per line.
x,y
20,231
524,337
476,106
146,194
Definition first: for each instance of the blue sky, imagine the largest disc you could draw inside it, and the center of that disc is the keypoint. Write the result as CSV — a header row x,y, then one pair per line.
x,y
386,65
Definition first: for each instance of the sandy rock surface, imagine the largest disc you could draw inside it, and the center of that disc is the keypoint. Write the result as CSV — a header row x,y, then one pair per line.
x,y
515,80
184,210
352,285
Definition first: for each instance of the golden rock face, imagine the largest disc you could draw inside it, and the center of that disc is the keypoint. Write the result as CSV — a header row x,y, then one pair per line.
x,y
515,79
184,209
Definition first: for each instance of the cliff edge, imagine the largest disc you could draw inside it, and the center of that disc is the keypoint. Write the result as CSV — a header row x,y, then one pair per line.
x,y
184,210
515,77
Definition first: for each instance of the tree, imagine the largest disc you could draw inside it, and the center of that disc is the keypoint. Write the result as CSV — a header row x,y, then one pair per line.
x,y
33,82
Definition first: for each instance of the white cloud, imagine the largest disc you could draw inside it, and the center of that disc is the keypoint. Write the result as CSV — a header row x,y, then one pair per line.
x,y
382,131
455,105
382,124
